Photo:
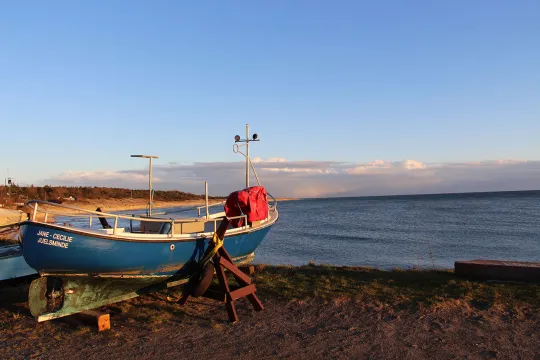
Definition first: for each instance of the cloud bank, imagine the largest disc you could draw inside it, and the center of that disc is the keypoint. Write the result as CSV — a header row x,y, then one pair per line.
x,y
303,179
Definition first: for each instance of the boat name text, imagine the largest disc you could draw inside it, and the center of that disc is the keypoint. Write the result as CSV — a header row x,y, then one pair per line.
x,y
54,239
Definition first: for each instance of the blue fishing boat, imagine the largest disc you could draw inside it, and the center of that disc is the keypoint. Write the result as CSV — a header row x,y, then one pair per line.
x,y
91,258
62,250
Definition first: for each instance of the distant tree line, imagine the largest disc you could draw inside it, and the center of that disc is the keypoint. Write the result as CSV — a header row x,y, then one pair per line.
x,y
16,193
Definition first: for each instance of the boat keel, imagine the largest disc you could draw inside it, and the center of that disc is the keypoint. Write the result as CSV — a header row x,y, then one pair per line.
x,y
53,297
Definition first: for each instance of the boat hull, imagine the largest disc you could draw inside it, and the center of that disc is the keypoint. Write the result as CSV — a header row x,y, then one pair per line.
x,y
12,264
53,249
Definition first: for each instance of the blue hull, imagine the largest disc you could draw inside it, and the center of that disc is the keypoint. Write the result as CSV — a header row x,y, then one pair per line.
x,y
51,249
12,264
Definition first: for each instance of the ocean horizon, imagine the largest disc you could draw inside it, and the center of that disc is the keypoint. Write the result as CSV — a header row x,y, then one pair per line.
x,y
405,231
442,194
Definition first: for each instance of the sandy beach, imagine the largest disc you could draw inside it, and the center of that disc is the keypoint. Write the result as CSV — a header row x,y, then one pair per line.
x,y
108,205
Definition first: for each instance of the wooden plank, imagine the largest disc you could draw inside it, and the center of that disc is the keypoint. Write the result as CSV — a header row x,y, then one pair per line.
x,y
93,318
243,291
220,232
223,252
498,270
171,284
240,276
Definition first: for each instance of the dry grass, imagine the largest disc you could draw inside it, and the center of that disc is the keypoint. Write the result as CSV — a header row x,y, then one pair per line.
x,y
398,288
310,312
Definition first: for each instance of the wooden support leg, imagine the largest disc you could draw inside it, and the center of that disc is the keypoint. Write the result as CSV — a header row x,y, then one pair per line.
x,y
183,300
224,287
186,291
254,300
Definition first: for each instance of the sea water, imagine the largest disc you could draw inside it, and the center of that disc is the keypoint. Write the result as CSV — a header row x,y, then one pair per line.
x,y
406,231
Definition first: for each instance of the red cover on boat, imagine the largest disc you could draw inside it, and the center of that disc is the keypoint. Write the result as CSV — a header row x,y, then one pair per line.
x,y
252,202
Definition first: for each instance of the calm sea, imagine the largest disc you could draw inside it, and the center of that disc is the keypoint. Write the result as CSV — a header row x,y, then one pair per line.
x,y
402,231
406,231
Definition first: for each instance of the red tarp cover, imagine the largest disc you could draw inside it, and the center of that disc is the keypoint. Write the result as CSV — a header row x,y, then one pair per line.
x,y
252,202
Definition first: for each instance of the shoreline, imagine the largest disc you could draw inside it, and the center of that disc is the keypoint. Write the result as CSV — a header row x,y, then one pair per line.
x,y
109,205
114,205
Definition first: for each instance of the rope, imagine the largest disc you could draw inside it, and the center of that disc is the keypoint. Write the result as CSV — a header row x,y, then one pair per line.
x,y
212,249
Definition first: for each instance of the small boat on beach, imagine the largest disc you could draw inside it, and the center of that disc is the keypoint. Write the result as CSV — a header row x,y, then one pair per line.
x,y
87,259
12,264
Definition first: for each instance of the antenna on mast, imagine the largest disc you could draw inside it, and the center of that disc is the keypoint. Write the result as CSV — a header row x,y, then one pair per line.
x,y
236,149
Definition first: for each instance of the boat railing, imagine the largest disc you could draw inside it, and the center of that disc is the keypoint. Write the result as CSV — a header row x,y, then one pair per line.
x,y
90,214
199,208
271,207
274,203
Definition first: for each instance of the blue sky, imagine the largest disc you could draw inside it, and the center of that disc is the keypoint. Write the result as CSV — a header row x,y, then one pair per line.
x,y
85,84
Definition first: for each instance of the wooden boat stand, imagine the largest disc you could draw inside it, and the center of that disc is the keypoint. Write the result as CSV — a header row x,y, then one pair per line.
x,y
224,292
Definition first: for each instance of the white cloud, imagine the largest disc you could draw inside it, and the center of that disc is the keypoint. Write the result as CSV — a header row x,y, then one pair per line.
x,y
270,160
384,166
413,164
324,178
103,175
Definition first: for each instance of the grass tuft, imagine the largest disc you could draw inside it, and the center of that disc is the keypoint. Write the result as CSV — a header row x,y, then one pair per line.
x,y
397,288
